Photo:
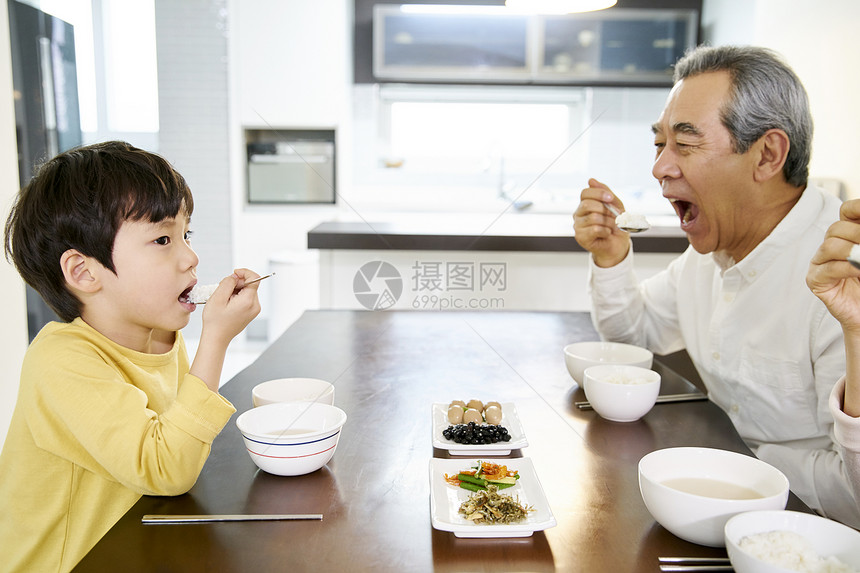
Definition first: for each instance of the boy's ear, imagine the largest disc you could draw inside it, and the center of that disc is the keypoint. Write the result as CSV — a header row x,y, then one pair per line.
x,y
78,271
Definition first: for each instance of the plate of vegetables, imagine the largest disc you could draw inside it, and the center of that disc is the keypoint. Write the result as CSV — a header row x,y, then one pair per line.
x,y
478,437
474,498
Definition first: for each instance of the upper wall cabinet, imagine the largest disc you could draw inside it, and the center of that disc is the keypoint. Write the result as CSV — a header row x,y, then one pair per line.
x,y
435,45
611,47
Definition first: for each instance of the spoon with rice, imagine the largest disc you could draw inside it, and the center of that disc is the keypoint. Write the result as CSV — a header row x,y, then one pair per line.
x,y
630,222
201,293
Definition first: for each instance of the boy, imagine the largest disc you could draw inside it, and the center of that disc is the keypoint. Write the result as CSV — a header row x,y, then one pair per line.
x,y
109,408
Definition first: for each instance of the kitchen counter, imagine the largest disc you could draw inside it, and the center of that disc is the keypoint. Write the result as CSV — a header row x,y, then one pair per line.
x,y
437,234
541,266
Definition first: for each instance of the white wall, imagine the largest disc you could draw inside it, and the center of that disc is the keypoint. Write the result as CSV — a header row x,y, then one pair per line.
x,y
820,41
13,334
193,103
291,68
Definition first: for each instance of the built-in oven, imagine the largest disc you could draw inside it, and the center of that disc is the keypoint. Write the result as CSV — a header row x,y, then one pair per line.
x,y
291,166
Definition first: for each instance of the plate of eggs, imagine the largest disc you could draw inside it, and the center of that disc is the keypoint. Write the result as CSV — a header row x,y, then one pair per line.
x,y
476,428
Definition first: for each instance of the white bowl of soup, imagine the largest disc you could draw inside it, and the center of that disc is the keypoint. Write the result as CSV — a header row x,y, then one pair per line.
x,y
693,492
291,438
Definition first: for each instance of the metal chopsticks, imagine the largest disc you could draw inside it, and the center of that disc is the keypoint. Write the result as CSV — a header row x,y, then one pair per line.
x,y
154,519
694,564
665,398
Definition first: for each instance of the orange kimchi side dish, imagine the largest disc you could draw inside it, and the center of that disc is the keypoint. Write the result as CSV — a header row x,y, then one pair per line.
x,y
489,471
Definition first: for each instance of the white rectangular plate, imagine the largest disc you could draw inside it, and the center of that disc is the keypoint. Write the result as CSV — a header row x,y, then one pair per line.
x,y
509,420
445,500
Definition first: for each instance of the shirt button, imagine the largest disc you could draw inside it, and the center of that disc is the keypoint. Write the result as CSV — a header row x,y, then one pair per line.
x,y
728,297
716,355
735,408
751,274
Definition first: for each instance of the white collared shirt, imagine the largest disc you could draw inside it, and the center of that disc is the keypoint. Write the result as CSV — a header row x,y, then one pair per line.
x,y
766,348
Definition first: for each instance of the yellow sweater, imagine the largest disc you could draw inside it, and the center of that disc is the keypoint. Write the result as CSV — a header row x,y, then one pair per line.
x,y
96,425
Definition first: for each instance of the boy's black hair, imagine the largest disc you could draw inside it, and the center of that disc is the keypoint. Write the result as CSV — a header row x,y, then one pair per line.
x,y
78,200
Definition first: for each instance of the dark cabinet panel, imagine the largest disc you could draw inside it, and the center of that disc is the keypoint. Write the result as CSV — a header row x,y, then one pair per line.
x,y
634,43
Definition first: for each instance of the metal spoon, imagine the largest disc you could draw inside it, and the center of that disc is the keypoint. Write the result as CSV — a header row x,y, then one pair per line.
x,y
258,279
854,256
192,295
627,227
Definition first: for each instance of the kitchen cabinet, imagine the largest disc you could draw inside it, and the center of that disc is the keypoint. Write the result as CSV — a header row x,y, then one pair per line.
x,y
627,46
455,45
492,45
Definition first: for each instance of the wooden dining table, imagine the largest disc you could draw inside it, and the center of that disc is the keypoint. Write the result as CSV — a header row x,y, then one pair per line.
x,y
388,368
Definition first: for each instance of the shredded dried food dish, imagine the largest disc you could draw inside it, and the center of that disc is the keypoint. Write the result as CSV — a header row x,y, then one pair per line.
x,y
492,508
791,551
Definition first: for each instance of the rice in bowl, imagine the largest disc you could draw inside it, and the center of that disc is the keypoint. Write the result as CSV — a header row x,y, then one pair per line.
x,y
792,551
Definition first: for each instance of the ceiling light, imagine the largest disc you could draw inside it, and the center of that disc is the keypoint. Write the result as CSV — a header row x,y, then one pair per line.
x,y
558,6
452,9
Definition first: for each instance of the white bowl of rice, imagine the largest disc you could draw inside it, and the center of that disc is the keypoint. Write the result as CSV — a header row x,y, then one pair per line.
x,y
621,393
790,541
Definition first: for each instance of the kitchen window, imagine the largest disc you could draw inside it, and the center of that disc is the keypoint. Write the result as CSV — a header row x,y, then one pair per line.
x,y
465,135
116,67
483,148
471,143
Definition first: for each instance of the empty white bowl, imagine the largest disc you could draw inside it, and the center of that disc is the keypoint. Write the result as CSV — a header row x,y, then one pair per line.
x,y
291,438
826,539
580,355
621,393
293,390
693,492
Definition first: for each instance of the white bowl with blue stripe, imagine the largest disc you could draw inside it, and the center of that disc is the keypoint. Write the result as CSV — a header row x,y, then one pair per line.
x,y
291,438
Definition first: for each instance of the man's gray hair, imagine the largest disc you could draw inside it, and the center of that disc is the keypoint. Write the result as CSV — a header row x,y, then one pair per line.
x,y
766,94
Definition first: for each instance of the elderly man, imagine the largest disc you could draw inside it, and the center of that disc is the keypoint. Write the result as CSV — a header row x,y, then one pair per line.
x,y
732,154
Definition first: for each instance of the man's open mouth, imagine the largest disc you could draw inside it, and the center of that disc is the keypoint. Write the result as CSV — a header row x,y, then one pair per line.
x,y
686,211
